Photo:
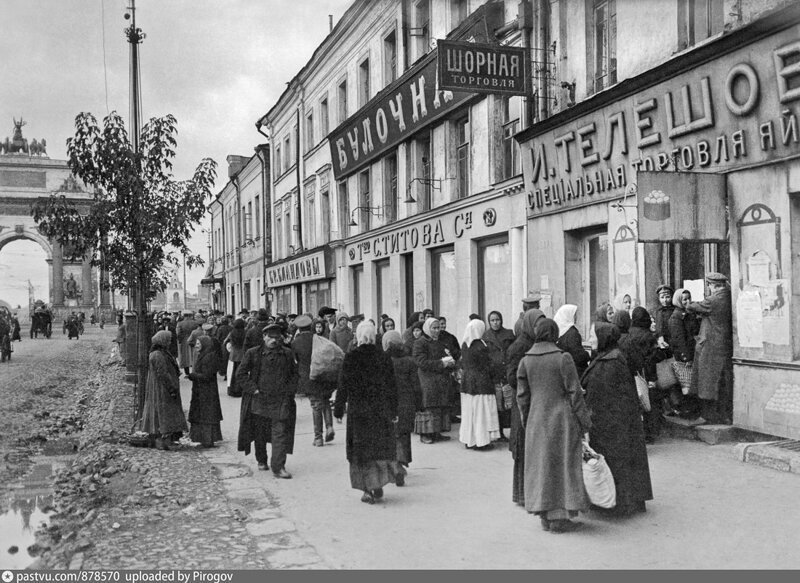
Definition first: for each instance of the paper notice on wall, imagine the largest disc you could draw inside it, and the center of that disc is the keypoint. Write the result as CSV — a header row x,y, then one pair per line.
x,y
696,287
750,320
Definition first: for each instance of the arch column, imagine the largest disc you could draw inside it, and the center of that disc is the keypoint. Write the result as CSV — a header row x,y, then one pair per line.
x,y
58,274
87,293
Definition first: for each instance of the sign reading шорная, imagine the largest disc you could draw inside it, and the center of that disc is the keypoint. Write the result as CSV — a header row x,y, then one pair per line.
x,y
465,66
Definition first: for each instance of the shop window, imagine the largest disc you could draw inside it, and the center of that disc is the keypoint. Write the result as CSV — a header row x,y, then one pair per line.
x,y
246,296
601,36
358,291
445,289
458,11
462,156
309,131
699,20
408,276
341,95
363,83
421,172
318,294
344,210
382,287
283,299
257,220
325,215
510,147
389,58
323,117
494,277
587,273
390,187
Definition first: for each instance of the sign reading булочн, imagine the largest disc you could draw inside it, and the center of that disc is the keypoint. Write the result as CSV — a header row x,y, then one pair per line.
x,y
482,68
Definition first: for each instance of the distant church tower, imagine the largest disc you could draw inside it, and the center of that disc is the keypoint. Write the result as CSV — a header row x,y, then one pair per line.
x,y
174,293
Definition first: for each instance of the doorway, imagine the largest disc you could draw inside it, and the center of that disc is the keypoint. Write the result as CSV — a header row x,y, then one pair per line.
x,y
587,273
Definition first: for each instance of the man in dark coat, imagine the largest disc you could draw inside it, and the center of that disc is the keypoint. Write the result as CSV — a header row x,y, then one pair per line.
x,y
329,315
712,373
268,377
318,392
252,337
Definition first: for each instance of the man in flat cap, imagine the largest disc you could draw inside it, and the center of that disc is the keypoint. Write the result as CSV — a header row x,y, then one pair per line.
x,y
268,377
318,391
712,372
531,302
252,337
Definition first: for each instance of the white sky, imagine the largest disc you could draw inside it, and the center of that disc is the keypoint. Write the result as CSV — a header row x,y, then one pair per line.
x,y
216,65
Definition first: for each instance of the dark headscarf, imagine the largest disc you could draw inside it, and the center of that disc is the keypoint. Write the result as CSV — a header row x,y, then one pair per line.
x,y
601,315
414,317
622,320
529,319
206,346
641,318
500,338
238,333
607,336
546,330
383,324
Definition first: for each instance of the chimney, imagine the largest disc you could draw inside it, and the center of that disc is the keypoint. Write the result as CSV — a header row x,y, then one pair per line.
x,y
330,22
235,164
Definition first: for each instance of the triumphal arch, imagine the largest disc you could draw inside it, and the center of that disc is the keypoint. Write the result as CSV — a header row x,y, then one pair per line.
x,y
26,174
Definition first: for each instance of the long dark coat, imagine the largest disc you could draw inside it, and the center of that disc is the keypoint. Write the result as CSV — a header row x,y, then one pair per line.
x,y
555,418
714,349
301,346
367,386
617,431
572,343
204,406
640,350
409,392
163,409
275,399
435,380
479,369
183,329
683,327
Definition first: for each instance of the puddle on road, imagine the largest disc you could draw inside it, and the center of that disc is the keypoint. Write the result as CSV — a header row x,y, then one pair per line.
x,y
27,506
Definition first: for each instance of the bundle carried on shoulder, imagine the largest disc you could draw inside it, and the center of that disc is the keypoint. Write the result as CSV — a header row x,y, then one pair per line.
x,y
597,479
326,360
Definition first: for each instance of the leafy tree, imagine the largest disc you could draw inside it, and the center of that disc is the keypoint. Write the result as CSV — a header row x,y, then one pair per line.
x,y
141,217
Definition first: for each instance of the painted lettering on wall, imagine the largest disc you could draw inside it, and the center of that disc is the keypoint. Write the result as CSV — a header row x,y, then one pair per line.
x,y
736,110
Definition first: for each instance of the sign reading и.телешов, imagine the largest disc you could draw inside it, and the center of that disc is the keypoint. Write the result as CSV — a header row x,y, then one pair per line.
x,y
465,66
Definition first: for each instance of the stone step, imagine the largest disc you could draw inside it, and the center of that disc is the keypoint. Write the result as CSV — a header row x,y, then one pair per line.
x,y
783,455
695,430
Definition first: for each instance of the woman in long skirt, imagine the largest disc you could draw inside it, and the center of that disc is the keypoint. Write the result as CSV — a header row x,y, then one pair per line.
x,y
205,411
162,415
367,387
479,421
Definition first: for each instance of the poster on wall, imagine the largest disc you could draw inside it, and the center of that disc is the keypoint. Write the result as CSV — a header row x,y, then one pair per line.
x,y
749,319
624,255
696,287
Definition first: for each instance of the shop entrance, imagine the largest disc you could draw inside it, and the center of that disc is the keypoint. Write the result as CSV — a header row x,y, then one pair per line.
x,y
683,264
587,279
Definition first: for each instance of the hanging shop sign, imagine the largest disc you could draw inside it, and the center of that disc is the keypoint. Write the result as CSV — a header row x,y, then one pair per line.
x,y
739,109
681,206
482,68
297,270
394,115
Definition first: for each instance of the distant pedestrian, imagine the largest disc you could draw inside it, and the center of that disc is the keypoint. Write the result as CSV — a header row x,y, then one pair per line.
x,y
555,418
367,387
234,343
409,396
617,432
183,329
162,414
205,412
387,324
342,335
268,377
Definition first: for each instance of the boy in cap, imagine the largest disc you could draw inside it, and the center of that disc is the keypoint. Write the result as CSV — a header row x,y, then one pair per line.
x,y
268,377
712,373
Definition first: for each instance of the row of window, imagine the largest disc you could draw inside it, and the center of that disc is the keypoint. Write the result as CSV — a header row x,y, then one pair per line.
x,y
249,220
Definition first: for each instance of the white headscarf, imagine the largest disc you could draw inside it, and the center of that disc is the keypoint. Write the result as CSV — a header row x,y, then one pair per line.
x,y
565,318
473,331
426,327
365,333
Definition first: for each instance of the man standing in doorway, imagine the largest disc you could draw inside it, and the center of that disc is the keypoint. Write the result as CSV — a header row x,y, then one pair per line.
x,y
268,377
712,373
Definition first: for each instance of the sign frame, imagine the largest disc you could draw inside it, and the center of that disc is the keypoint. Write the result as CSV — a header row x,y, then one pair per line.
x,y
459,66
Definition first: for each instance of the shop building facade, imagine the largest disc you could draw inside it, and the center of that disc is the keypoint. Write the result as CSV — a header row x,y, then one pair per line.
x,y
674,167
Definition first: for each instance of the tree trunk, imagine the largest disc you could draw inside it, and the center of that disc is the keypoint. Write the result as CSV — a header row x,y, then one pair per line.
x,y
142,343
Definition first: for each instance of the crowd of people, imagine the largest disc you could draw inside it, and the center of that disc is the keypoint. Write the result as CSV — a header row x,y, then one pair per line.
x,y
552,392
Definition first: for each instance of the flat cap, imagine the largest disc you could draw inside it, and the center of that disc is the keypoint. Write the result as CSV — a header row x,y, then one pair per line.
x,y
716,277
325,310
303,321
292,316
532,297
273,330
664,287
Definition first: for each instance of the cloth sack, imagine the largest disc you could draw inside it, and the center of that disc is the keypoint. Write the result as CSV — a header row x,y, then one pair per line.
x,y
643,391
683,372
326,360
597,479
666,374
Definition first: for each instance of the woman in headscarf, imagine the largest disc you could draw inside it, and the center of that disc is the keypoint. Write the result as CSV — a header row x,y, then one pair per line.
x,y
498,339
367,386
622,302
409,396
641,351
342,335
434,364
569,339
516,442
162,414
555,418
617,431
205,412
235,344
603,313
683,327
412,319
479,423
386,324
416,334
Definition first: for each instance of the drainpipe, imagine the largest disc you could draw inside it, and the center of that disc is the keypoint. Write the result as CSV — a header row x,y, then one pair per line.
x,y
262,151
299,187
543,31
238,229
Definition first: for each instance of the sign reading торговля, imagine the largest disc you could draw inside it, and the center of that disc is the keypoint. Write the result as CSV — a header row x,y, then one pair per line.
x,y
465,66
